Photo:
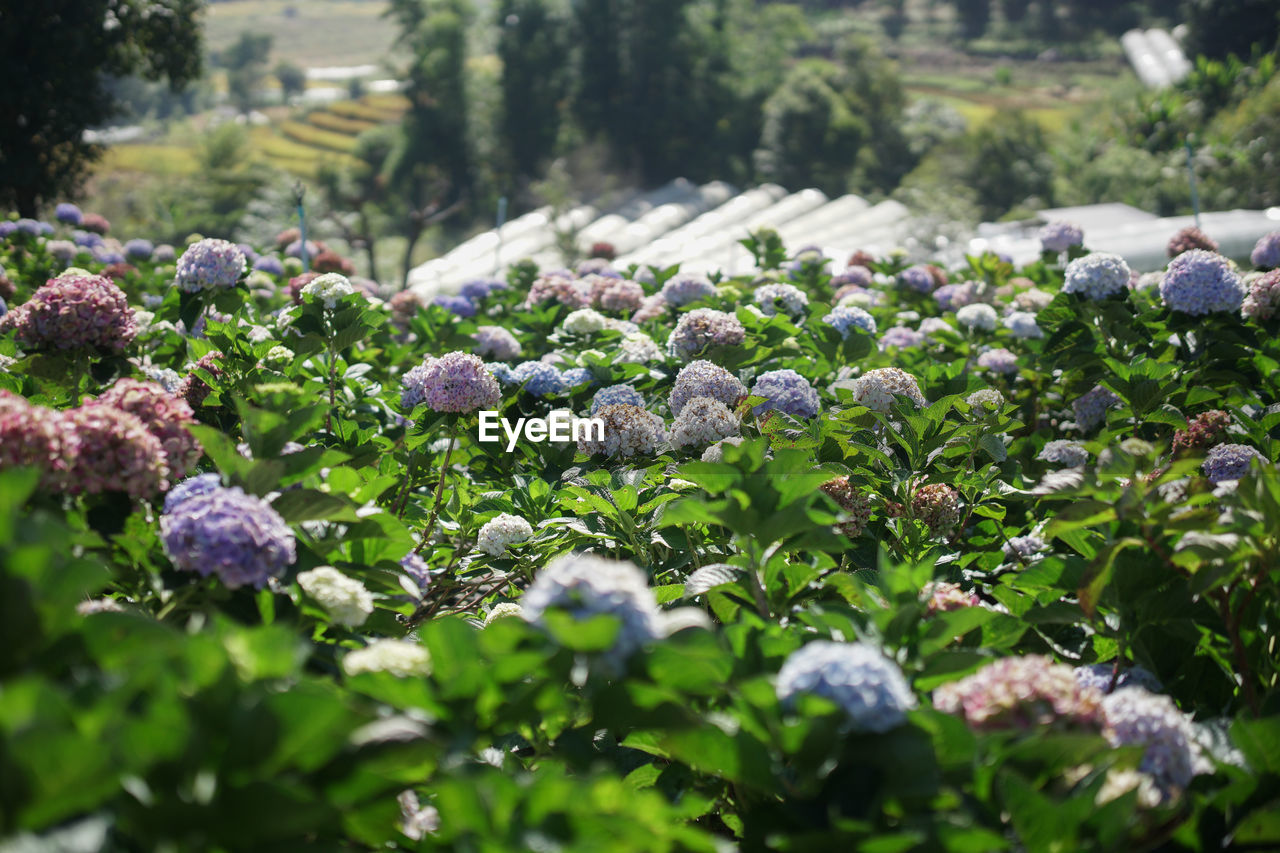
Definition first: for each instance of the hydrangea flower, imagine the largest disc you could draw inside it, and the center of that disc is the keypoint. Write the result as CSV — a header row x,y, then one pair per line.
x,y
1029,694
639,348
455,382
269,264
459,306
843,319
192,487
584,321
401,658
1024,546
496,342
1230,462
74,312
67,213
561,287
985,398
877,388
1097,276
343,598
900,337
856,275
194,389
1264,296
866,685
210,264
628,431
164,254
327,288
1091,407
164,414
139,249
538,378
35,436
704,328
977,316
787,297
63,250
1072,454
585,586
1202,432
943,597
1199,282
501,532
1059,236
114,452
683,289
1023,325
1098,676
786,391
1190,238
617,295
651,308
917,278
854,501
616,395
999,360
703,420
701,378
479,288
226,532
503,610
1136,717
1266,252
937,505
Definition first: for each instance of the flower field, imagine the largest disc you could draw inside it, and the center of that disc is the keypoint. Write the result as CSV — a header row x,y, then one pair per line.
x,y
865,555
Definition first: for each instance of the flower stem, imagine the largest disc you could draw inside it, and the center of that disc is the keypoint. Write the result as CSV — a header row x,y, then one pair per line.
x,y
333,366
435,510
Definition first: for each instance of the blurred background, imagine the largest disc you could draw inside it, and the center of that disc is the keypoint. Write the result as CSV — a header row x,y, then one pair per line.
x,y
411,125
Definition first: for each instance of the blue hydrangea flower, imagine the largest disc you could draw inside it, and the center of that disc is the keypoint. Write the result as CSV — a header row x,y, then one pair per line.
x,y
86,239
210,264
200,484
1199,282
480,288
575,376
785,297
786,391
106,255
138,249
68,214
999,360
918,278
1098,676
843,319
616,395
1136,717
683,289
269,264
869,687
1097,276
1091,407
228,533
458,305
538,378
7,229
1229,462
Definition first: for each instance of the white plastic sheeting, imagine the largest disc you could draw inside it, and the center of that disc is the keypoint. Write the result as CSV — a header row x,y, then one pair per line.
x,y
1156,57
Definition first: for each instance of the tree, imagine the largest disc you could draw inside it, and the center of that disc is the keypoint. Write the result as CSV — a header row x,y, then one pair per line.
x,y
534,49
1221,27
55,57
246,64
1007,163
974,16
292,79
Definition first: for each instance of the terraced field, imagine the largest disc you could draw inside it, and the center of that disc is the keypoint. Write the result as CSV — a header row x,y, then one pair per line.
x,y
327,134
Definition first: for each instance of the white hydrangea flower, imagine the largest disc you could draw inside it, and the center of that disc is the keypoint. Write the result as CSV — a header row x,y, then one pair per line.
x,y
715,453
1023,325
343,598
584,321
502,531
703,420
277,354
401,658
639,348
258,334
977,316
328,288
988,398
502,611
1120,781
876,388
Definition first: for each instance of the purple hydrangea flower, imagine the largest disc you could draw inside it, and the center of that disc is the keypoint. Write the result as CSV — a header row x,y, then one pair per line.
x,y
236,536
455,382
1029,694
34,227
616,395
210,264
1199,282
192,487
107,255
269,264
1229,462
900,337
999,360
1135,717
704,379
866,685
164,254
7,229
786,391
250,254
458,305
917,278
416,568
1060,236
496,342
1264,296
856,275
1266,252
683,289
703,328
67,213
1097,276
479,288
138,249
575,376
87,239
1091,407
844,319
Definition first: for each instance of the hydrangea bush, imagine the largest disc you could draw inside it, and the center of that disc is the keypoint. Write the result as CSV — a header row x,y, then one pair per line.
x,y
883,557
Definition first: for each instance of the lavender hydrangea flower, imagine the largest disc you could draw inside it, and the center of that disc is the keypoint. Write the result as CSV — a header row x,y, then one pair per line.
x,y
787,297
617,295
1199,282
1024,546
703,328
479,288
1091,407
866,685
1098,676
786,391
844,319
67,213
1135,717
210,264
228,533
683,289
917,278
416,569
74,312
1059,236
455,382
1023,325
585,586
703,379
952,297
1230,462
900,337
999,360
164,254
63,250
1266,252
496,342
616,395
1097,276
703,421
86,239
192,487
269,264
459,306
138,249
856,275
